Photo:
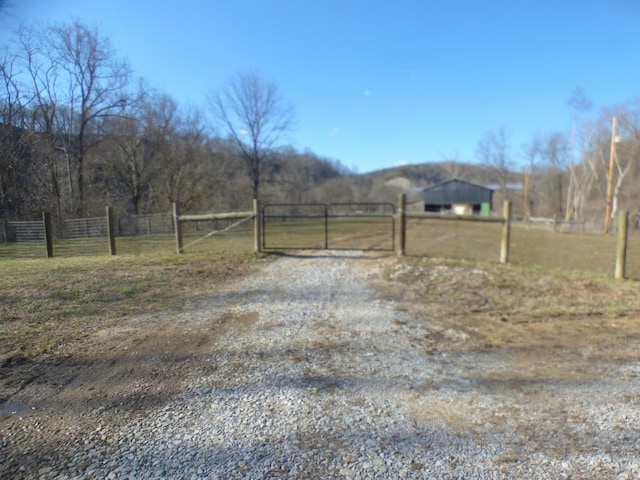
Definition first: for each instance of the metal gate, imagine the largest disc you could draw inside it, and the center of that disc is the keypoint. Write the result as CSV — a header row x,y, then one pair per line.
x,y
335,226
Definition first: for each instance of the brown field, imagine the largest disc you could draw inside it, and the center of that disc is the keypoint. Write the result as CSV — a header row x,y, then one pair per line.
x,y
49,302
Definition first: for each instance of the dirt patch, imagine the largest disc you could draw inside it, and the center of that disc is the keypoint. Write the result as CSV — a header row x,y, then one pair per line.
x,y
118,375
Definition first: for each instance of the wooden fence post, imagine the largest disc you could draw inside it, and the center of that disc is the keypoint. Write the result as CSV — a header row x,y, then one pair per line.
x,y
621,253
5,230
402,224
177,227
506,233
48,233
257,241
111,231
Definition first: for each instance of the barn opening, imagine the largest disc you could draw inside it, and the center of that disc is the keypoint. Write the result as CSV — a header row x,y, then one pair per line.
x,y
458,197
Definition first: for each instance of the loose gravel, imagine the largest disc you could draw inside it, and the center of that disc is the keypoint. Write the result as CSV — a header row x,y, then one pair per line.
x,y
330,383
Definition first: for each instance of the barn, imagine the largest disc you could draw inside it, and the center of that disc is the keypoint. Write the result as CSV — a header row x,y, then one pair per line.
x,y
458,197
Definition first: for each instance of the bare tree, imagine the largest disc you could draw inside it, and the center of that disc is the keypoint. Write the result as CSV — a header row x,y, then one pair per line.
x,y
127,158
581,177
555,155
95,86
14,144
177,144
627,154
493,152
255,117
45,119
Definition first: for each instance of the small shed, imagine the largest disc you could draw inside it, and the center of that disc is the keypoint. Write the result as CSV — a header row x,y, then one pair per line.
x,y
459,197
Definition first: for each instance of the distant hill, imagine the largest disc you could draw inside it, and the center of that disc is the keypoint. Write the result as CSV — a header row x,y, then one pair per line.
x,y
425,174
385,185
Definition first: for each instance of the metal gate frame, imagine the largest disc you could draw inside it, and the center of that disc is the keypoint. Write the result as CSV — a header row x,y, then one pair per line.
x,y
326,216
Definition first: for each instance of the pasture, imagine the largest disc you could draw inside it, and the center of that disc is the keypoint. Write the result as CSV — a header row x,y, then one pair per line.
x,y
47,303
531,248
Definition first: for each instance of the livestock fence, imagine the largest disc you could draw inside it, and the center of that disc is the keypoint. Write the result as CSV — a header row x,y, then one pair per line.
x,y
105,235
82,236
540,243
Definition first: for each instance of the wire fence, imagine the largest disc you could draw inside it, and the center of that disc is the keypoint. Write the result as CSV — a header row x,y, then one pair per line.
x,y
151,224
26,239
540,243
136,234
81,237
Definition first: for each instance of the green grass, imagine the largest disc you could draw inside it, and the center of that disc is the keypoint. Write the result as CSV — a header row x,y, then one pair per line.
x,y
359,233
44,302
533,248
454,239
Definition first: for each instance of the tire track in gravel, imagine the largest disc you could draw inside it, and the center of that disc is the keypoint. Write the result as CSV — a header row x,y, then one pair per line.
x,y
314,389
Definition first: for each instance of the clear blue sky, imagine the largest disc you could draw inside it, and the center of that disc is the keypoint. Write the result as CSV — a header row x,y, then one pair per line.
x,y
380,83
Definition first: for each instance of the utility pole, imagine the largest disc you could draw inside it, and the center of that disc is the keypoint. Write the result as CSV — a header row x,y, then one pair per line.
x,y
612,164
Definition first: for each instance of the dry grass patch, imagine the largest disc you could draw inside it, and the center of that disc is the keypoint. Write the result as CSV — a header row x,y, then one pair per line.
x,y
50,302
523,341
475,306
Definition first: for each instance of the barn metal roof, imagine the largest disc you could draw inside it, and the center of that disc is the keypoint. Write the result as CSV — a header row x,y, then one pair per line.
x,y
457,191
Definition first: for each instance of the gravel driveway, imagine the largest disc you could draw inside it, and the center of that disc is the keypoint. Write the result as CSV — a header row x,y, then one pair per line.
x,y
326,380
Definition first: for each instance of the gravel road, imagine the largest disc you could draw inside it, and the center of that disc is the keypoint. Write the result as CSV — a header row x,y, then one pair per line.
x,y
326,381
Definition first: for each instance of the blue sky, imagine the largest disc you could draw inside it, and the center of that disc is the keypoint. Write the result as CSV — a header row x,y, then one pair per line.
x,y
377,84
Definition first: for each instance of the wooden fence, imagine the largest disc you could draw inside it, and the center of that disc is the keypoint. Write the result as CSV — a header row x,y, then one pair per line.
x,y
38,236
179,219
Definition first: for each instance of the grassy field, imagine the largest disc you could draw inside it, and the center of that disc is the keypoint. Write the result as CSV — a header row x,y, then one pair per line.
x,y
47,302
358,233
535,248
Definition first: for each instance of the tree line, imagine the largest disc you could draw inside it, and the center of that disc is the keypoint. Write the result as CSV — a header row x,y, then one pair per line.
x,y
79,131
570,171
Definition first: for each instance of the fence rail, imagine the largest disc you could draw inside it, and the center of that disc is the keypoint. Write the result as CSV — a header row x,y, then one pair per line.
x,y
535,246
